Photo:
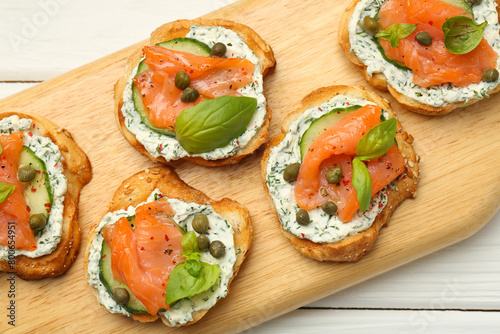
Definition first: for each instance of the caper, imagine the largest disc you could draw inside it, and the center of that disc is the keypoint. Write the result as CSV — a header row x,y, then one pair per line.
x,y
200,223
334,175
217,249
423,38
26,173
330,208
189,95
302,217
291,172
203,242
38,221
371,25
121,295
219,50
490,75
474,2
182,80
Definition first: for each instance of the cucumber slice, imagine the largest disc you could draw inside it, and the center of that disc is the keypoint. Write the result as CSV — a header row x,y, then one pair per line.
x,y
320,125
142,68
177,44
134,305
184,44
187,45
139,106
37,193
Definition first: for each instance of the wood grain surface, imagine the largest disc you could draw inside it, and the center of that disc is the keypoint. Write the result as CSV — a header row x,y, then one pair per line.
x,y
458,193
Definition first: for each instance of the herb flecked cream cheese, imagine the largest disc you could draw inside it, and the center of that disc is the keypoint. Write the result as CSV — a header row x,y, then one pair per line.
x,y
323,227
363,45
49,153
158,144
181,312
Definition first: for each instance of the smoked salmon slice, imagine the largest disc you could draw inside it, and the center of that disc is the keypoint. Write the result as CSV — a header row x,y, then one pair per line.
x,y
143,257
212,77
14,208
434,64
336,147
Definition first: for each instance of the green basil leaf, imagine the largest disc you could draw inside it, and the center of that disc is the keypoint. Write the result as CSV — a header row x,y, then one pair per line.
x,y
465,5
462,34
214,123
377,140
1,149
189,242
362,182
193,267
191,255
181,284
5,190
190,246
396,32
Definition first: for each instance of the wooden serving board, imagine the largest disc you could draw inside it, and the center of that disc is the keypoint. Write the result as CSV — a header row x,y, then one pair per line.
x,y
458,193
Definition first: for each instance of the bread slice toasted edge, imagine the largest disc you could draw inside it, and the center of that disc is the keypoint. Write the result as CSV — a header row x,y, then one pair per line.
x,y
78,171
180,28
137,188
353,247
379,81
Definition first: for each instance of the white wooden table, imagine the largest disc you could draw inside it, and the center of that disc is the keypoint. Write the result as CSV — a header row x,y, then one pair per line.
x,y
454,290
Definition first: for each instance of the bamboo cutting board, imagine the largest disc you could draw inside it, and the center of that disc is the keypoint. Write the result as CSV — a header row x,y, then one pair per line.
x,y
458,193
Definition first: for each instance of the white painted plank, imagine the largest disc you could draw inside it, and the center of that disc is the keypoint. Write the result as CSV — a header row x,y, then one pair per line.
x,y
44,38
463,276
7,89
381,321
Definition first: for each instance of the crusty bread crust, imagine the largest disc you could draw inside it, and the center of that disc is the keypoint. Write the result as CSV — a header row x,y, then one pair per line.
x,y
353,247
180,28
78,171
378,80
138,187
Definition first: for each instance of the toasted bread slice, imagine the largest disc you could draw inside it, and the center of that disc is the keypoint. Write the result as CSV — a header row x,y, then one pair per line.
x,y
379,81
353,247
178,29
78,171
137,188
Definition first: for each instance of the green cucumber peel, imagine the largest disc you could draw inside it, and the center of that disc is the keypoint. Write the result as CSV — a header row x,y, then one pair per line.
x,y
187,44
